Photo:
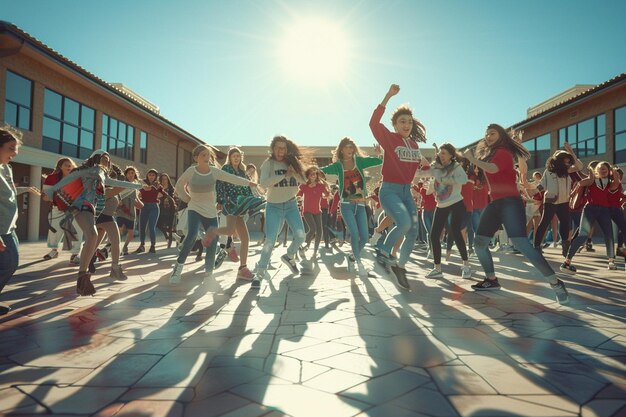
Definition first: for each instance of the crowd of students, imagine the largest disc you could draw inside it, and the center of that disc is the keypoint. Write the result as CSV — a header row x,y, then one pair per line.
x,y
455,199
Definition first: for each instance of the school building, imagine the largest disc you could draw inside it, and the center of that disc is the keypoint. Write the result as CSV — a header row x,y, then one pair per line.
x,y
592,118
64,110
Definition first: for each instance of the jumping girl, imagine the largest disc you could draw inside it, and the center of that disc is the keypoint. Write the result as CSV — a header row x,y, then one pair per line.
x,y
401,161
495,156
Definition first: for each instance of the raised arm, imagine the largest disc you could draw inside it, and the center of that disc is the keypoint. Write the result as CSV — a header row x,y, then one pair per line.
x,y
379,130
488,167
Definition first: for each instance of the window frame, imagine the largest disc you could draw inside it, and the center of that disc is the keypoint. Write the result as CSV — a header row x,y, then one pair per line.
x,y
123,148
18,106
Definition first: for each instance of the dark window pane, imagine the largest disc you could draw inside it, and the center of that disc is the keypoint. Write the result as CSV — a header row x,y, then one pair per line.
x,y
71,111
24,118
130,154
620,120
86,139
105,124
10,113
84,153
87,118
51,128
601,123
620,147
601,145
571,134
112,127
121,135
70,134
586,129
50,145
18,89
543,142
52,104
69,149
130,135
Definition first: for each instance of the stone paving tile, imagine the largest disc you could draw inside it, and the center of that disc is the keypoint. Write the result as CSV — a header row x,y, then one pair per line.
x,y
300,401
500,405
73,400
323,344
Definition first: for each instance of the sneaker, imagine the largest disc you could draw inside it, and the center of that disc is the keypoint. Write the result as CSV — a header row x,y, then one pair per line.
x,y
92,265
561,292
125,250
74,259
374,239
232,254
117,274
362,270
51,255
589,247
256,281
351,263
302,250
219,259
176,272
199,256
102,254
140,249
466,272
400,274
487,284
612,265
291,264
245,274
435,274
567,268
152,249
4,309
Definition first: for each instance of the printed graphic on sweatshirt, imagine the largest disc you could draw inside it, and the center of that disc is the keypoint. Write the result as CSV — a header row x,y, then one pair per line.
x,y
285,182
352,185
407,154
443,191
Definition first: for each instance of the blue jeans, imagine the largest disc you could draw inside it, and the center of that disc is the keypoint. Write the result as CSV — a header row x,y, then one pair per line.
x,y
275,215
591,214
476,219
427,219
355,218
9,259
148,217
193,225
398,203
508,212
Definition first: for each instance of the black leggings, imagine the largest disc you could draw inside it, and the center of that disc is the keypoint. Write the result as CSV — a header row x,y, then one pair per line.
x,y
562,213
457,212
314,221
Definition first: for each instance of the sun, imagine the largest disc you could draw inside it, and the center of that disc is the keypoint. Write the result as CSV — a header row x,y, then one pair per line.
x,y
315,51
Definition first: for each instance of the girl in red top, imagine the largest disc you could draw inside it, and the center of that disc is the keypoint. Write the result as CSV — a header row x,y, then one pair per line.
x,y
402,159
495,156
150,194
313,192
600,185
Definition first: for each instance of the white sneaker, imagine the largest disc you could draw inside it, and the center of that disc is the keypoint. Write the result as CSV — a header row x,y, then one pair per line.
x,y
362,271
612,265
435,274
176,272
466,272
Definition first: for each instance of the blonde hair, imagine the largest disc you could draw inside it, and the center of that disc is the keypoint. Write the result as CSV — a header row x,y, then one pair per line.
x,y
201,148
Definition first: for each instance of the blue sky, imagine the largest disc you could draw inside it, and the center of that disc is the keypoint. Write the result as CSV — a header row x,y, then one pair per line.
x,y
216,68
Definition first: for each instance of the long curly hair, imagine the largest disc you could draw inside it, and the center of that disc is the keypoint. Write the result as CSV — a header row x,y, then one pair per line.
x,y
484,151
338,152
294,156
556,163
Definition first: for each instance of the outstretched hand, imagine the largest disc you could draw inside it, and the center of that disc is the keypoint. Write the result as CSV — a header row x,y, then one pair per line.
x,y
393,90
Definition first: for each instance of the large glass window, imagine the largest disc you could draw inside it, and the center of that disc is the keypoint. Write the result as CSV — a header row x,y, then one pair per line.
x,y
143,147
68,126
118,138
588,138
539,149
18,101
620,135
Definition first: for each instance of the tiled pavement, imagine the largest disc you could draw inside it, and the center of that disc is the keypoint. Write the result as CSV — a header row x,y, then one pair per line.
x,y
325,344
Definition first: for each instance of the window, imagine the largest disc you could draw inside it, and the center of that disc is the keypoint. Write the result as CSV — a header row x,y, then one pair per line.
x,y
19,94
620,135
143,147
118,138
68,126
588,138
539,149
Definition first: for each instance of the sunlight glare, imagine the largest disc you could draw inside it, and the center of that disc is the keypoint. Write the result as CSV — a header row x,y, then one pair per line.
x,y
314,50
